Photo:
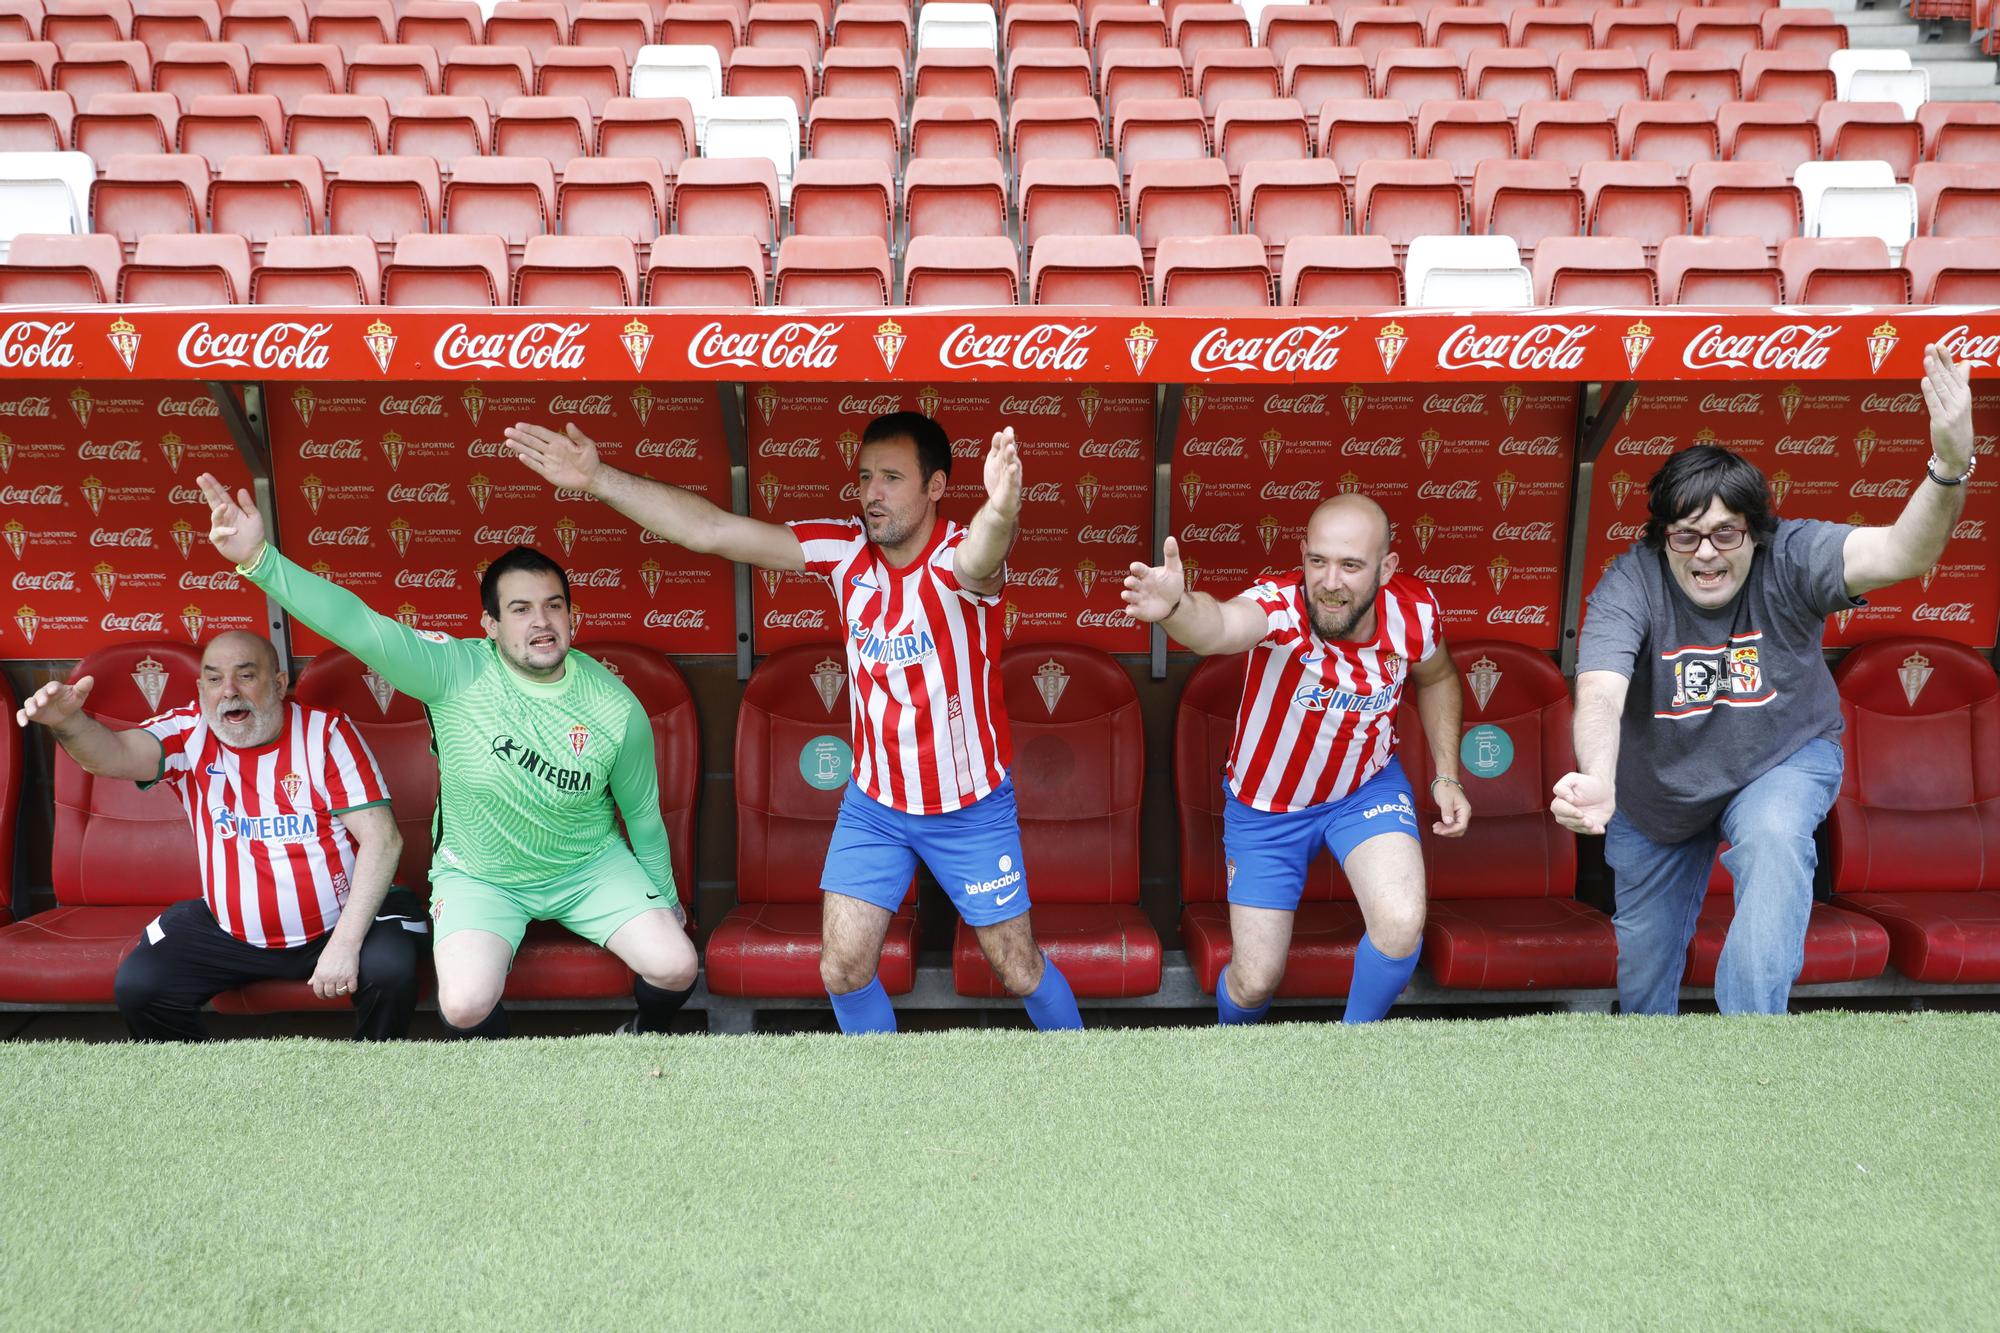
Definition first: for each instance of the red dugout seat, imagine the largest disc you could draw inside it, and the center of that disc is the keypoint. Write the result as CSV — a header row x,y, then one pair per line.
x,y
1916,829
1079,763
1841,945
792,723
10,801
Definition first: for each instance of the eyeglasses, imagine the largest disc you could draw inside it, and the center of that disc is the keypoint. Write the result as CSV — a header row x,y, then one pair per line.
x,y
1722,539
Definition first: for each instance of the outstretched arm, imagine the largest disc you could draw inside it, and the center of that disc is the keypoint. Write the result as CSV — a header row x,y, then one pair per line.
x,y
1441,705
1878,557
134,754
570,459
1159,595
426,669
981,559
1585,800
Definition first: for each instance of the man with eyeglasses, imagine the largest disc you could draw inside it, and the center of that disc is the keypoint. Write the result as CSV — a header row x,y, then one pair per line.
x,y
1705,711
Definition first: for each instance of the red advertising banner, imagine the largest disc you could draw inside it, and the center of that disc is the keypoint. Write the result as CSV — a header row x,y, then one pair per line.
x,y
1476,481
406,493
1086,510
105,532
1020,345
1850,453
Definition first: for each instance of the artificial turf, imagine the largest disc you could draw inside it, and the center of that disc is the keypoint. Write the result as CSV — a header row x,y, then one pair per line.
x,y
1827,1170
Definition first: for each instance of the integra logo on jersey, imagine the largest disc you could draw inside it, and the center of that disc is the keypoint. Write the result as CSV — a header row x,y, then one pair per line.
x,y
891,650
510,751
270,828
1326,698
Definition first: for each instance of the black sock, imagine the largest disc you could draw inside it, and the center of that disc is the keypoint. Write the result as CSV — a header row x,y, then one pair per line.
x,y
494,1025
657,1007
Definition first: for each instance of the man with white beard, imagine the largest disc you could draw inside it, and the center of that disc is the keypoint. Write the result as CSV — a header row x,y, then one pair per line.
x,y
296,839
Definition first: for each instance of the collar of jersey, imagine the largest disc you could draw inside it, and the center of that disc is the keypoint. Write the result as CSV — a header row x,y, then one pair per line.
x,y
939,530
536,689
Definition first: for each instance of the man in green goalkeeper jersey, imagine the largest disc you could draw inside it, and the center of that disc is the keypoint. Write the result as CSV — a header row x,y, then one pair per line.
x,y
535,743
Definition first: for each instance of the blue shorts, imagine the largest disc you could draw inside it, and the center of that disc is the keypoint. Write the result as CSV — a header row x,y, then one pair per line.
x,y
975,852
1268,851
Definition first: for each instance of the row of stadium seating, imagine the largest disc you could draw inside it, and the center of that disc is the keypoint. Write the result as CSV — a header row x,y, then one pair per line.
x,y
1913,835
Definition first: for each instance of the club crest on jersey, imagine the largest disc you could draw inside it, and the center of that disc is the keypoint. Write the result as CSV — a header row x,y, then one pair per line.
x,y
905,649
292,784
579,738
829,677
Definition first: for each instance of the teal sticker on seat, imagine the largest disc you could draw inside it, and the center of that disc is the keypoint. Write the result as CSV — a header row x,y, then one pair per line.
x,y
1486,751
825,761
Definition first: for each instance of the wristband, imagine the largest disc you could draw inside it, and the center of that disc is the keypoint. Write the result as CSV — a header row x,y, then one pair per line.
x,y
1930,470
255,560
1453,781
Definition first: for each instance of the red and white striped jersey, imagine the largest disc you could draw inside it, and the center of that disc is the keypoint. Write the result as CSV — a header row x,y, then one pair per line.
x,y
929,718
276,862
1318,717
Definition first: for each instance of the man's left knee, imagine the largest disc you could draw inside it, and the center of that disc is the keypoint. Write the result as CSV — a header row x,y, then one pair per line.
x,y
1398,926
389,959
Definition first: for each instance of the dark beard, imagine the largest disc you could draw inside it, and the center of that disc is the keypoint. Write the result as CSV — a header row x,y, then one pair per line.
x,y
1339,628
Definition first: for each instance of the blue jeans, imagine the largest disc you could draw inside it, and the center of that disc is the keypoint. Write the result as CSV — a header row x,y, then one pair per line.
x,y
1769,826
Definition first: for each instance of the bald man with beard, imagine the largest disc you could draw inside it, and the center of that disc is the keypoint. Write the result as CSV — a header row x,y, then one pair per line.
x,y
296,841
1313,762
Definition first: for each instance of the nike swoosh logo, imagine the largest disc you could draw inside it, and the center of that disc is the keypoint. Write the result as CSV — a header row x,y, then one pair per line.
x,y
1309,660
652,895
868,587
215,772
1002,902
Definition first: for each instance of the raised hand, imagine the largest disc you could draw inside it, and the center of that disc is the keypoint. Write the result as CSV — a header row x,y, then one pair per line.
x,y
235,528
568,459
1003,473
1583,804
54,703
1153,591
1948,394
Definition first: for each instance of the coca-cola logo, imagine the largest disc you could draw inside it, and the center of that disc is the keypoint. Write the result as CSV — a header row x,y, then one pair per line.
x,y
1969,348
1043,492
814,619
1462,404
430,493
881,405
56,580
420,405
1953,612
1092,619
588,405
48,493
1213,532
354,534
1538,347
140,622
1969,530
121,537
284,346
1120,534
426,578
1731,404
1382,446
606,577
1108,449
1650,446
1463,489
1044,347
1893,488
347,449
1043,576
29,406
1897,403
1445,574
1822,446
1543,531
1300,348
1043,405
1297,404
1222,446
521,534
1290,490
185,495
805,446
683,446
1624,532
1540,446
794,345
1517,615
1789,347
851,493
222,580
542,345
488,449
34,343
187,407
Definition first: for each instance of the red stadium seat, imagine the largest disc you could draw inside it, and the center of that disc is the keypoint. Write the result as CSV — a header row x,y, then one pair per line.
x,y
1847,270
1465,134
1529,201
1787,76
577,271
623,27
1708,78
857,129
1718,270
956,72
436,269
775,23
843,197
656,127
27,66
1027,26
1341,271
1272,129
553,129
613,196
1840,945
1214,272
1947,270
318,271
1960,131
1957,199
289,72
36,122
335,126
127,123
1289,29
1610,77
204,269
510,197
1572,133
771,71
1811,31
118,854
1744,199
1279,200
1551,30
864,71
594,73
534,25
260,198
945,196
189,69
1084,197
1593,270
1414,75
1870,131
1235,74
447,129
1086,270
961,270
1640,29
495,72
1643,200
962,126
728,196
161,23
1405,200
1179,199
1317,73
67,21
769,944
1352,132
1197,28
1512,78
1676,133
725,271
1782,133
1916,829
1374,29
1079,759
719,26
441,24
1142,72
351,24
217,127
1466,30
1128,27
1726,30
10,801
871,27
143,193
61,270
1152,130
86,69
832,271
384,198
1040,128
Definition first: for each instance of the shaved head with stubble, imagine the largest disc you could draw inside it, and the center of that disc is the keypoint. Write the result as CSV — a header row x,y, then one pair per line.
x,y
1346,560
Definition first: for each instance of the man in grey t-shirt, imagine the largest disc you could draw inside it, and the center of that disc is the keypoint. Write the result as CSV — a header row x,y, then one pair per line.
x,y
1705,710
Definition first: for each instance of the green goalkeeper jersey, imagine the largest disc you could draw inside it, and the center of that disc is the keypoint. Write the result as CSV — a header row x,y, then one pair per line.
x,y
527,771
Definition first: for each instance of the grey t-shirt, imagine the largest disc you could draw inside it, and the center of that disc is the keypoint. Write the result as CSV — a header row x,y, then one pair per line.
x,y
1717,698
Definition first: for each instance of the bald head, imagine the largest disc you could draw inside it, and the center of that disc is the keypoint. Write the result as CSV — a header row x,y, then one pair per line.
x,y
1349,521
236,646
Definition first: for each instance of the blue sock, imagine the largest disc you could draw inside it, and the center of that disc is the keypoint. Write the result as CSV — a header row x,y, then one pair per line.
x,y
864,1010
1378,980
1229,1013
1051,1004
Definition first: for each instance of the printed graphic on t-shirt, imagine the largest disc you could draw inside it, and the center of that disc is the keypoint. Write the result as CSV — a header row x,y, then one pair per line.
x,y
1710,676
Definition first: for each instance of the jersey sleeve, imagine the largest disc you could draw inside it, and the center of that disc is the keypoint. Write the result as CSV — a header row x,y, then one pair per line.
x,y
1281,620
424,665
635,785
1430,622
1614,633
943,566
348,776
172,730
1812,561
826,542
